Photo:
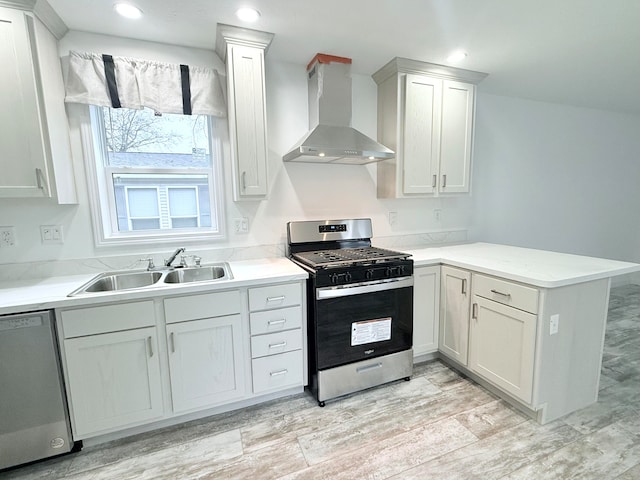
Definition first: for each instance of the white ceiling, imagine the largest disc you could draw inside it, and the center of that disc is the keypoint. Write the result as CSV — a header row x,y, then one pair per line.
x,y
578,52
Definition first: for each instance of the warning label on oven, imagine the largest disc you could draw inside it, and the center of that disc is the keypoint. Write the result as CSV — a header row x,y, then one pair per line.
x,y
369,331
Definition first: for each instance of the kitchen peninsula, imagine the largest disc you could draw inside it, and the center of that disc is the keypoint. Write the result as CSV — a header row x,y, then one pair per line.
x,y
527,324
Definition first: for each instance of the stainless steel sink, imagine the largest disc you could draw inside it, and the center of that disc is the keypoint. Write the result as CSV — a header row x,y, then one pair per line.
x,y
198,274
109,282
117,281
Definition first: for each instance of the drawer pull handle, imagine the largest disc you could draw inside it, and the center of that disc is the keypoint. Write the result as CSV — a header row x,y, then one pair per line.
x,y
278,345
150,346
279,372
366,368
277,322
275,299
508,295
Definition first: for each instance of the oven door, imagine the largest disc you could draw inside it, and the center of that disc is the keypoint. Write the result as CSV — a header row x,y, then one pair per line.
x,y
364,320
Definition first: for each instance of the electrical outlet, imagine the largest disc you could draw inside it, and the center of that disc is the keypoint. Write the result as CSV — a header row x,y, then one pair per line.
x,y
554,324
241,225
51,234
393,218
7,237
437,214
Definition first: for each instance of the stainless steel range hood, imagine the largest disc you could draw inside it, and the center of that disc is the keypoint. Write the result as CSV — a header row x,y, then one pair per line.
x,y
332,139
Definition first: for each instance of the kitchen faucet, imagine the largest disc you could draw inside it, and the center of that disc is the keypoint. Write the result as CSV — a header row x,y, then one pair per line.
x,y
167,263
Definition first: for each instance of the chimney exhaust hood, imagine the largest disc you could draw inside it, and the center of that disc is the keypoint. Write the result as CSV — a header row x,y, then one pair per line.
x,y
332,139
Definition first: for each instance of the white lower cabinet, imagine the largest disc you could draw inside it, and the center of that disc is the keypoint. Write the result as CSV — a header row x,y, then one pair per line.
x,y
426,306
112,366
206,362
502,335
502,344
277,337
455,300
127,365
114,380
277,372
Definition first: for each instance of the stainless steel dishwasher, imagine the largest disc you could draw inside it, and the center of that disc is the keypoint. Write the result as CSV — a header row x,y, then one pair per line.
x,y
34,420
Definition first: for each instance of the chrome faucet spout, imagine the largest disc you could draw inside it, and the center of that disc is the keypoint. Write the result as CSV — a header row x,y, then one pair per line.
x,y
167,263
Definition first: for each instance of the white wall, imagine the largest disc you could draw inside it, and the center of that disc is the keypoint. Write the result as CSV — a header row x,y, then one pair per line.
x,y
557,177
297,191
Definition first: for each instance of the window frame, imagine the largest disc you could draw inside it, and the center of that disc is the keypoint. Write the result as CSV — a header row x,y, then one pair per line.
x,y
102,190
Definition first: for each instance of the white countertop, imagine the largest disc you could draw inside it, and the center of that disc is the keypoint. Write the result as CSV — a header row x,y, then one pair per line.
x,y
535,267
39,294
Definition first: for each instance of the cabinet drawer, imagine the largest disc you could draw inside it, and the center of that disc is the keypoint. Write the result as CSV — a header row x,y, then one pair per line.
x,y
276,320
107,318
277,371
208,305
279,342
505,292
275,296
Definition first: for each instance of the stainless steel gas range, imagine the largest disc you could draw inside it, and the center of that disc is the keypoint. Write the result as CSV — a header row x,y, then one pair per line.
x,y
360,306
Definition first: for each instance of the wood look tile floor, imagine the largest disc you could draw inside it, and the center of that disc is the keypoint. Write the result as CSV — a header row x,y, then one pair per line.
x,y
438,425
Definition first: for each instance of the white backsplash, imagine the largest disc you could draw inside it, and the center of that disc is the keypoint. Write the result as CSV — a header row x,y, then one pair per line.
x,y
52,268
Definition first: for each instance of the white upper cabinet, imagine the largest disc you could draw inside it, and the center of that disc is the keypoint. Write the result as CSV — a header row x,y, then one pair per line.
x,y
421,145
243,51
35,154
456,135
425,114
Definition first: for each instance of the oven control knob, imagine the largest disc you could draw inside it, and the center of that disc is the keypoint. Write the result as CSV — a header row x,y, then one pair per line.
x,y
388,272
347,277
369,274
401,269
334,278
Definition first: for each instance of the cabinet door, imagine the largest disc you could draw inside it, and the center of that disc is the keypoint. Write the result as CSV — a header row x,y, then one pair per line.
x,y
114,380
426,305
502,342
454,313
22,153
421,138
456,136
247,120
205,362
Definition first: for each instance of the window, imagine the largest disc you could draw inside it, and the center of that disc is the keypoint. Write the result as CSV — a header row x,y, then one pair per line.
x,y
156,176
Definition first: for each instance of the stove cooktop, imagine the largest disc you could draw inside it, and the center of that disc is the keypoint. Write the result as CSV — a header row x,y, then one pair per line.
x,y
347,256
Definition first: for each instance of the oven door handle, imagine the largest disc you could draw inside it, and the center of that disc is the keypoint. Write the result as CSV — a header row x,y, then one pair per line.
x,y
364,287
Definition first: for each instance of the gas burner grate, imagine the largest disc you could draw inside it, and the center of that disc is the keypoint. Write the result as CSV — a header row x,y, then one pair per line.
x,y
346,256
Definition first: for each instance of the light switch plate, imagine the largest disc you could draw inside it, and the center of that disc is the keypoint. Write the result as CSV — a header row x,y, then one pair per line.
x,y
51,234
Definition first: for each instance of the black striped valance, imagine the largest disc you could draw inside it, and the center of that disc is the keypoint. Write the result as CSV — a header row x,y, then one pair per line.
x,y
105,80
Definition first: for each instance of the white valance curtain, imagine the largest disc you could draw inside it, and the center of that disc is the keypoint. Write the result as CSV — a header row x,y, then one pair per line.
x,y
111,81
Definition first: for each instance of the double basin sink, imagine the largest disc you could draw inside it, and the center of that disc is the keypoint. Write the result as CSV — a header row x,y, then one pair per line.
x,y
118,281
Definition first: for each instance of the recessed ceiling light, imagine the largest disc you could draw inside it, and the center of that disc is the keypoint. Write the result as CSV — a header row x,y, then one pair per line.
x,y
127,10
248,14
457,56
